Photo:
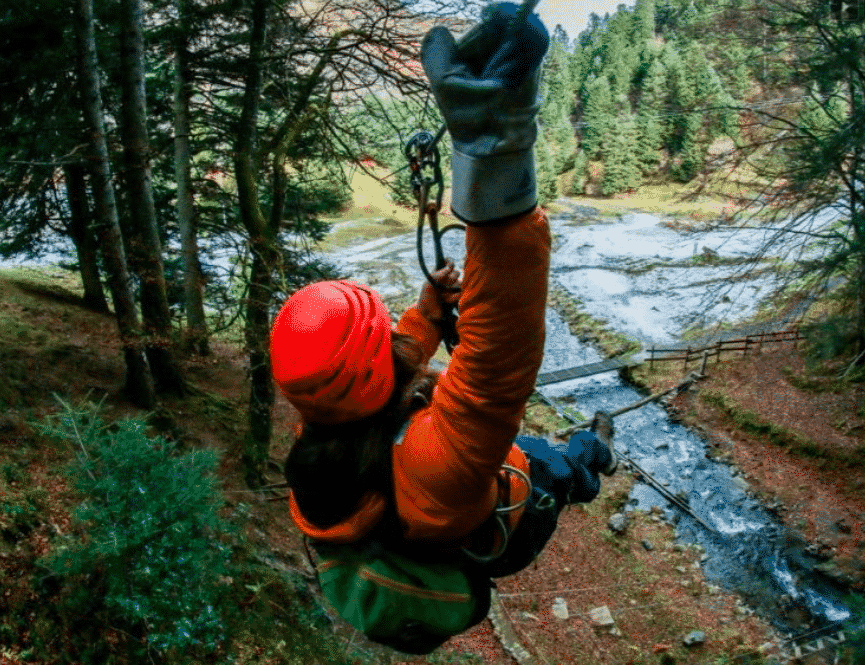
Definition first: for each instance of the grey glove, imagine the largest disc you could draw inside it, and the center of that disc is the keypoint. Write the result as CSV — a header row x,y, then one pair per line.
x,y
488,95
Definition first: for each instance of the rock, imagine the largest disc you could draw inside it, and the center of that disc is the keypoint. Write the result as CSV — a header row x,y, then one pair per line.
x,y
618,523
647,545
694,638
560,609
601,617
741,483
839,570
843,526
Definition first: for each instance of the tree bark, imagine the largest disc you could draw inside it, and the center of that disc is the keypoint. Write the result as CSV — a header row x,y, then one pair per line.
x,y
81,232
141,230
139,382
257,331
193,280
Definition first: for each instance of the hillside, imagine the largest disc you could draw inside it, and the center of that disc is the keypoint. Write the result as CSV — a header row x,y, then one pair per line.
x,y
655,592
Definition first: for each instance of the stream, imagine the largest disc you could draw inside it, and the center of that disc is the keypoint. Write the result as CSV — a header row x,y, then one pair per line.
x,y
643,278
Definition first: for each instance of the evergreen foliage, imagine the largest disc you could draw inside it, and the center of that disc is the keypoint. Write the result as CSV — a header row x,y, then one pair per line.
x,y
548,184
621,165
598,118
579,175
151,554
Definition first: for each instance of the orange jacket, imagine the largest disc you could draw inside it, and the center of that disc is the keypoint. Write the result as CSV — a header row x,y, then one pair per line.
x,y
447,466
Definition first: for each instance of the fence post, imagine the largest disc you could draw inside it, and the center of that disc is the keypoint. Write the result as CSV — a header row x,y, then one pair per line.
x,y
718,354
687,357
745,350
652,358
703,364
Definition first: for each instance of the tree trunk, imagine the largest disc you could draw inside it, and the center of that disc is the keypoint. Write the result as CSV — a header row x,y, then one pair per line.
x,y
139,382
261,395
193,281
141,230
81,232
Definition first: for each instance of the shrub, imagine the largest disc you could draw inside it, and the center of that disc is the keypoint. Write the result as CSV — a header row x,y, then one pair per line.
x,y
151,557
836,336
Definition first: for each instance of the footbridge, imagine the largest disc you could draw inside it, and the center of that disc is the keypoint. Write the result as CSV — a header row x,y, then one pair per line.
x,y
608,365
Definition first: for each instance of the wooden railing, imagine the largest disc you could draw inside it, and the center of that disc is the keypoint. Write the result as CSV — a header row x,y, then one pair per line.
x,y
753,343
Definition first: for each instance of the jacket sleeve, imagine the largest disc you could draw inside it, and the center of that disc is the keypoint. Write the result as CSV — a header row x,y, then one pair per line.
x,y
446,467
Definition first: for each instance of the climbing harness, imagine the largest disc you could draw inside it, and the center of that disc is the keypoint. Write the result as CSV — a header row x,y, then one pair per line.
x,y
498,519
424,159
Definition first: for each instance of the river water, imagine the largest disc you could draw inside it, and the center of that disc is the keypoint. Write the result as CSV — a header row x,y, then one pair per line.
x,y
643,278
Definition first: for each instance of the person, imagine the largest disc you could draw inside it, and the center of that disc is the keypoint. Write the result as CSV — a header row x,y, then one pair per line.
x,y
382,431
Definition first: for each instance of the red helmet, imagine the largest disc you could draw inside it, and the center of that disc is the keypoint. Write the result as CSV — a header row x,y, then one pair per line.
x,y
330,350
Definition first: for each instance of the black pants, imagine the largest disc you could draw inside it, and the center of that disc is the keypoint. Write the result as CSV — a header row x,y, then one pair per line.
x,y
559,477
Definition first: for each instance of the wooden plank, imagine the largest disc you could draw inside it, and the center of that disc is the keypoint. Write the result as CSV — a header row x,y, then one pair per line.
x,y
560,375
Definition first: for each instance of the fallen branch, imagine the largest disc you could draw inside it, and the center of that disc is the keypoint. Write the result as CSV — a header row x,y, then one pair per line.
x,y
505,632
567,431
648,478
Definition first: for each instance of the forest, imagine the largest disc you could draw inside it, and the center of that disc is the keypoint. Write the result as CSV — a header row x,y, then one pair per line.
x,y
150,139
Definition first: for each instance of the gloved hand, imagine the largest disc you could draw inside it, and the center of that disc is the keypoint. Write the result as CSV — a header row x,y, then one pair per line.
x,y
587,456
488,95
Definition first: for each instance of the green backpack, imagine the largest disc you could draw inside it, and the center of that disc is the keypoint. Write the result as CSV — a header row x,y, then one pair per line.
x,y
405,600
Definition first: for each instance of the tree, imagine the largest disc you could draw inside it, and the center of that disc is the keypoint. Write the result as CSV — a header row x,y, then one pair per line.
x,y
810,163
193,279
598,118
619,154
43,180
644,20
139,382
141,230
651,108
314,76
548,184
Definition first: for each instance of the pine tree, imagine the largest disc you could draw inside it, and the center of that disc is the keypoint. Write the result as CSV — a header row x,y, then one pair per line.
x,y
650,123
580,174
548,184
736,75
564,140
644,20
621,166
598,119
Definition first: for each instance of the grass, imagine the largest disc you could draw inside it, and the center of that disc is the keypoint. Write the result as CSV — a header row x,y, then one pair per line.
x,y
750,422
371,215
587,328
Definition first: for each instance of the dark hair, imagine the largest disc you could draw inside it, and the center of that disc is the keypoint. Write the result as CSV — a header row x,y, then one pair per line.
x,y
331,467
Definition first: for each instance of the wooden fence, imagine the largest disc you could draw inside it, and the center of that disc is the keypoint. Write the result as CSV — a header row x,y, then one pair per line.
x,y
753,343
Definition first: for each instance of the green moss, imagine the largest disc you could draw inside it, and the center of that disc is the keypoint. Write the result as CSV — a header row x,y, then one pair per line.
x,y
588,329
